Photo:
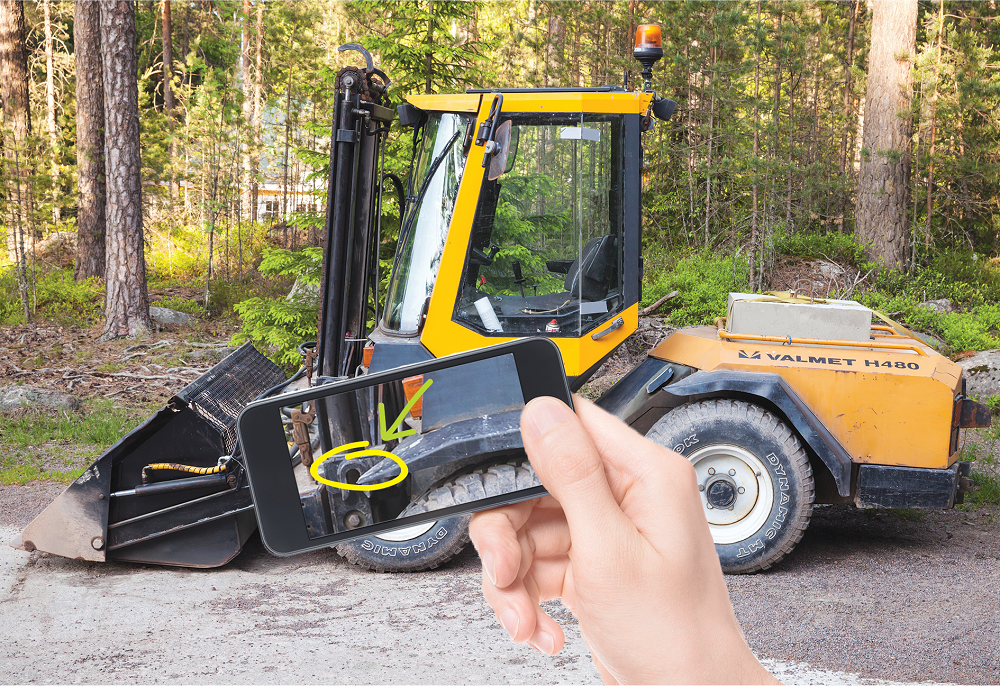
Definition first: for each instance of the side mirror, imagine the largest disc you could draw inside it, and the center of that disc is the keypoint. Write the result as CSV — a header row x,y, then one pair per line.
x,y
663,109
498,164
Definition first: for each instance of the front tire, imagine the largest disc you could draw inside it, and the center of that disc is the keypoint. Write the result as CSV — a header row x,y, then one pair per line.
x,y
754,476
428,545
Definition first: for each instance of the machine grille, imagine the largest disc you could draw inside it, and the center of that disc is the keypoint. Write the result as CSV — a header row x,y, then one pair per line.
x,y
223,391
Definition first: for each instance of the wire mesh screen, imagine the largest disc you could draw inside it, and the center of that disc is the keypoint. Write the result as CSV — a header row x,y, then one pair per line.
x,y
223,391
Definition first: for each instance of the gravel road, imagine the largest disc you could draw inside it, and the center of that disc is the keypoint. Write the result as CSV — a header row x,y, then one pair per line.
x,y
867,597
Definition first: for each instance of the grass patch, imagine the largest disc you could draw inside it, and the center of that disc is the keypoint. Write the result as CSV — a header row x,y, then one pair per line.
x,y
59,446
909,515
704,281
985,472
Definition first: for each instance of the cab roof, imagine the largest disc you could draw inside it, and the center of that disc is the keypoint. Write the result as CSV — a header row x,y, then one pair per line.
x,y
605,99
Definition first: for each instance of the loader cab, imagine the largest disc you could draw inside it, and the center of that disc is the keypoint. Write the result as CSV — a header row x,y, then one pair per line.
x,y
545,244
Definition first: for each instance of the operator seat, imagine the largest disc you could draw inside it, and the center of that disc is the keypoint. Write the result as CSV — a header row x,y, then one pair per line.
x,y
594,268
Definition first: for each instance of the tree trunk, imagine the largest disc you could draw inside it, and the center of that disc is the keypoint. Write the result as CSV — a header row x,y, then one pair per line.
x,y
16,122
884,183
756,142
90,218
244,140
126,303
853,7
931,151
256,121
168,98
50,110
429,55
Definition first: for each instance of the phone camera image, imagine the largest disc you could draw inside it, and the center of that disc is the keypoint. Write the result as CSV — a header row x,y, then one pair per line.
x,y
407,446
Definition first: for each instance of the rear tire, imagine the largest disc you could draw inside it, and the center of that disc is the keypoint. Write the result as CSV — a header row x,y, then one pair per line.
x,y
755,478
425,546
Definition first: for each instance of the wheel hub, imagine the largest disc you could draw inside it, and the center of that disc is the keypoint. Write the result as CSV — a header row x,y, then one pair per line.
x,y
721,493
736,491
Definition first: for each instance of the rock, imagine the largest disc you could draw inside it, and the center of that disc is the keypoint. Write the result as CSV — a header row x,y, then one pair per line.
x,y
303,292
942,305
20,397
164,315
982,373
932,341
829,270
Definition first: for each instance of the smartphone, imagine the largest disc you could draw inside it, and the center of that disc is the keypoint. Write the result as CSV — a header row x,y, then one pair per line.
x,y
392,449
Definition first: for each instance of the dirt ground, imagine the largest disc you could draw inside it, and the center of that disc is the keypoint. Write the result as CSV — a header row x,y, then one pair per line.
x,y
134,372
898,596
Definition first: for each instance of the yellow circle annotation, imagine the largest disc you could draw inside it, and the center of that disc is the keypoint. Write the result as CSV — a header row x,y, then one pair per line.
x,y
314,469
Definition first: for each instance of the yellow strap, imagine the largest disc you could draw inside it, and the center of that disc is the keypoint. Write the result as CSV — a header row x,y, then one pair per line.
x,y
900,329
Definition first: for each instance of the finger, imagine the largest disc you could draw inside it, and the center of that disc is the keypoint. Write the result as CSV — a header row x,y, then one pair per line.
x,y
548,638
494,534
567,462
652,484
514,608
545,534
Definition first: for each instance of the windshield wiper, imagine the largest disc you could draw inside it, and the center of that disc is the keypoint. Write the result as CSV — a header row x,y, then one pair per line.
x,y
404,231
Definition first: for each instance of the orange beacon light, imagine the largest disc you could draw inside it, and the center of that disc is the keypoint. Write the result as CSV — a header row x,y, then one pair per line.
x,y
648,36
648,51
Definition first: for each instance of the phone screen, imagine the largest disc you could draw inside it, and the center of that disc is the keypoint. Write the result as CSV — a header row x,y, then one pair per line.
x,y
408,445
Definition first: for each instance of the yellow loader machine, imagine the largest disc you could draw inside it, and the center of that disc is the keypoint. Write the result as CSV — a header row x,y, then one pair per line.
x,y
521,217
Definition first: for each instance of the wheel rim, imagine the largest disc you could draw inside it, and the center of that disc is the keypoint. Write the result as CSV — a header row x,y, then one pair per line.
x,y
406,533
736,491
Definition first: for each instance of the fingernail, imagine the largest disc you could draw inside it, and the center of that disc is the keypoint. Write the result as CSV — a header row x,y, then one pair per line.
x,y
489,566
510,622
543,643
542,414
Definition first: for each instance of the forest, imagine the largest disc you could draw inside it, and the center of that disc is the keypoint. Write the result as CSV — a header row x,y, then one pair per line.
x,y
767,164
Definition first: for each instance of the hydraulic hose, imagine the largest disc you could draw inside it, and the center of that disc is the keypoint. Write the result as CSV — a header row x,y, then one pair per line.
x,y
174,467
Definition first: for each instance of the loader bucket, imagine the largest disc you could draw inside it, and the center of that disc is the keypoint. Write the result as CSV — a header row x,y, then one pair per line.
x,y
100,517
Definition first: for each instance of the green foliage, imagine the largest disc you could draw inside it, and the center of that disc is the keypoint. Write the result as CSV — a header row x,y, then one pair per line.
x,y
837,247
52,295
704,281
33,442
985,473
278,325
305,265
11,311
409,34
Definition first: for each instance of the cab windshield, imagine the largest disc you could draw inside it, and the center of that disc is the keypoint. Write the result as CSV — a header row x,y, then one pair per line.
x,y
437,173
545,256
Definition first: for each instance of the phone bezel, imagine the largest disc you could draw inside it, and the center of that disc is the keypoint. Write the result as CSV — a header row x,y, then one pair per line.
x,y
275,493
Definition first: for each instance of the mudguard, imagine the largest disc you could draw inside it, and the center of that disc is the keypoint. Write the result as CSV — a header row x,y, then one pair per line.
x,y
630,402
438,454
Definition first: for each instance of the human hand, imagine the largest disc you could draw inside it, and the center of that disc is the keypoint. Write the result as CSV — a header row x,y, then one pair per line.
x,y
622,540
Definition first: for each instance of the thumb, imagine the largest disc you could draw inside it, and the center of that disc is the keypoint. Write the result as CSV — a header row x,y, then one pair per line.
x,y
566,460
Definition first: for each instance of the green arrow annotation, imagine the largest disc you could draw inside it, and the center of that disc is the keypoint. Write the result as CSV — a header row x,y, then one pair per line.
x,y
391,432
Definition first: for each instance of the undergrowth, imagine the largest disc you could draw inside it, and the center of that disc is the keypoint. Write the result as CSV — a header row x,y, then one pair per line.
x,y
277,325
59,446
703,281
985,473
52,295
